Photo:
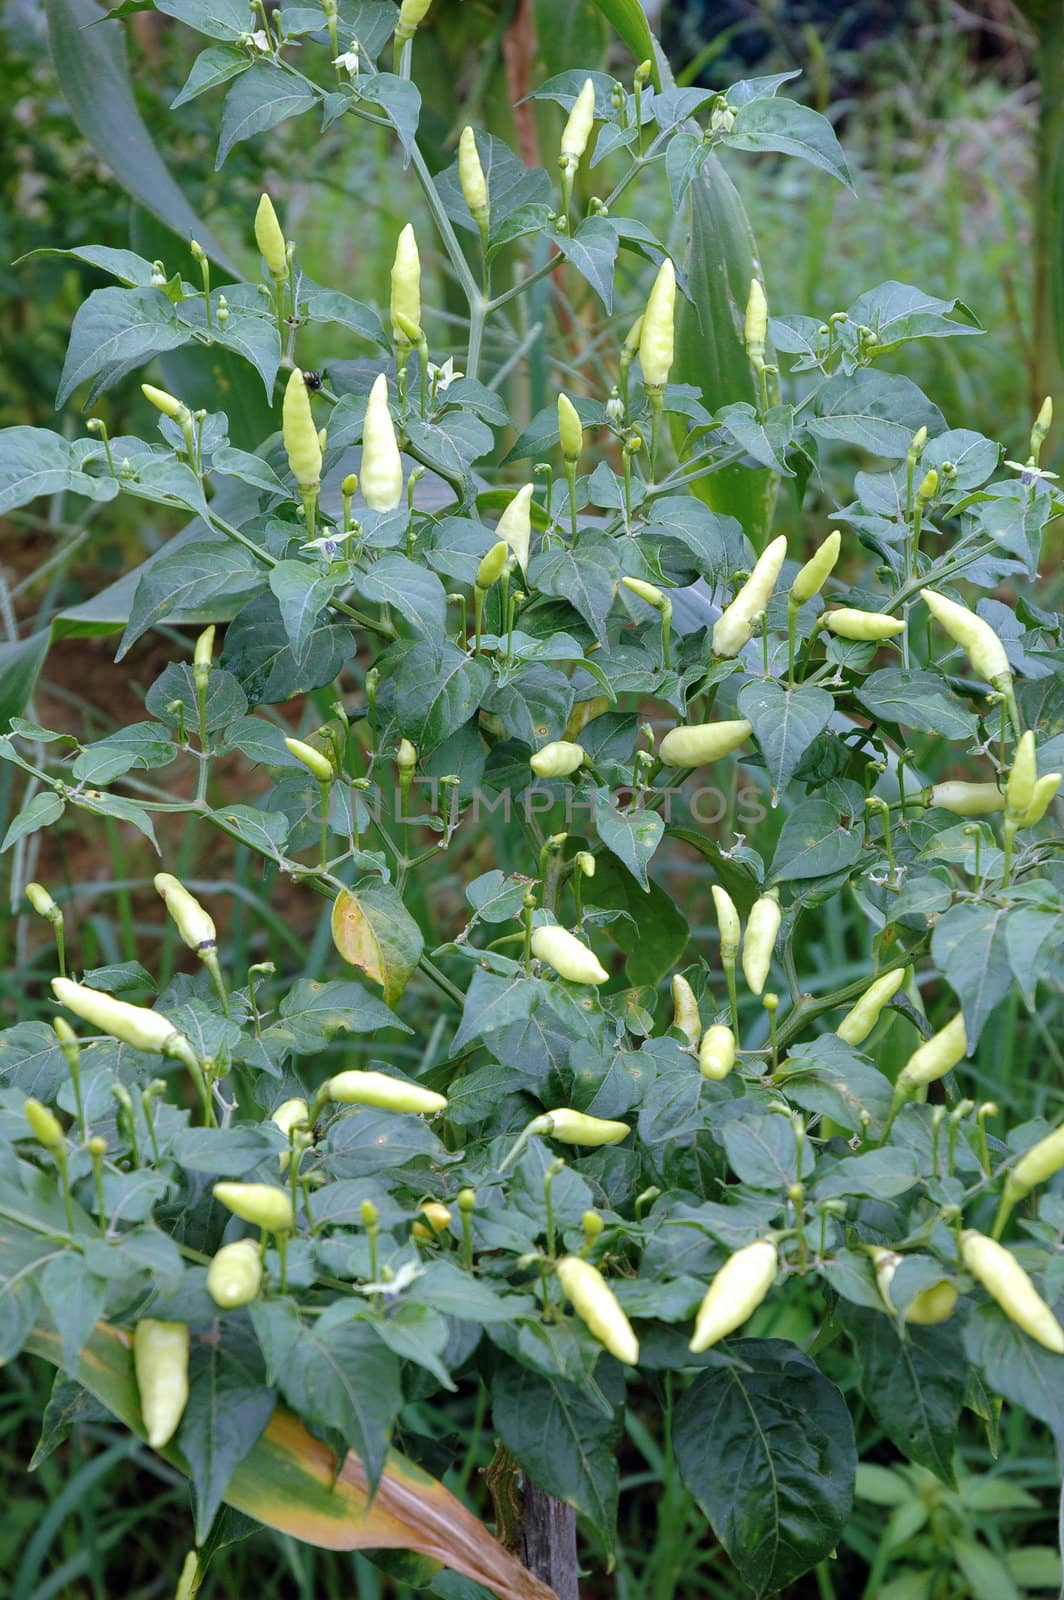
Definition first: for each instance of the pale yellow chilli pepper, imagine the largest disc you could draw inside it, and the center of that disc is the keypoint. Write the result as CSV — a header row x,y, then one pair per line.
x,y
933,1305
935,1057
967,799
1005,1280
382,465
577,130
686,1017
735,627
377,1089
859,1021
515,524
160,1361
1023,774
735,1293
755,329
577,1127
411,14
1037,1164
234,1276
977,638
657,333
315,761
716,1055
700,743
570,429
728,922
810,579
138,1026
270,239
406,287
262,1204
571,959
299,433
648,592
43,903
558,759
849,623
493,565
289,1114
193,923
471,175
168,404
1044,791
762,926
598,1308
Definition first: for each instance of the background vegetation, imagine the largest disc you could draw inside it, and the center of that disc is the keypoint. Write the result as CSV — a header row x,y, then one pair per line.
x,y
938,110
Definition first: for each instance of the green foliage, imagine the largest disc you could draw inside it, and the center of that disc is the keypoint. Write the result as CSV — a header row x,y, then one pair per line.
x,y
414,823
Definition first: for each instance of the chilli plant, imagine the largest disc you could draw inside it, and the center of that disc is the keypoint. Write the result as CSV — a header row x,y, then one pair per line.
x,y
303,1254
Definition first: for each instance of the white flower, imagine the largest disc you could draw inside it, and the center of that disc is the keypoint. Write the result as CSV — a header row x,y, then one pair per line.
x,y
329,543
393,1286
444,376
1029,473
348,62
260,41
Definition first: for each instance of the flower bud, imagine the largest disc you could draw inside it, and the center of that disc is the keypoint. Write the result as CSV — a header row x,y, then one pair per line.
x,y
405,757
42,903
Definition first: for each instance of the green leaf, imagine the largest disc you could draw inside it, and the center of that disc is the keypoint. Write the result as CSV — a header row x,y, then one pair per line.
x,y
914,1386
315,1013
1015,1366
90,63
398,98
917,700
969,946
115,330
302,592
226,700
815,841
592,250
215,65
633,836
584,577
74,1297
654,934
218,19
415,593
189,579
879,1174
897,312
339,1375
791,128
876,411
141,745
264,831
31,1061
563,1438
330,305
437,691
257,651
36,462
263,97
629,21
768,1453
785,723
20,665
40,811
228,1408
374,931
1033,940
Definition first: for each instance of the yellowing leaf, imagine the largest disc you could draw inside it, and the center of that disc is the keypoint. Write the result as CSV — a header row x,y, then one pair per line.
x,y
374,931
